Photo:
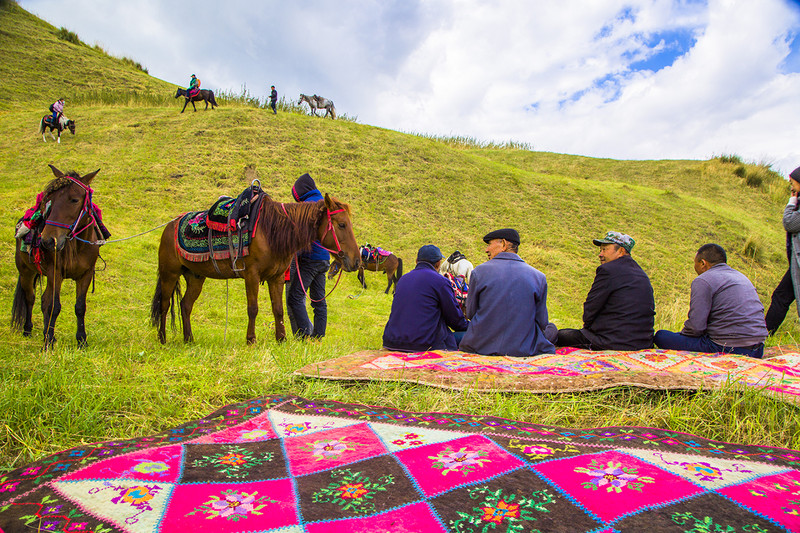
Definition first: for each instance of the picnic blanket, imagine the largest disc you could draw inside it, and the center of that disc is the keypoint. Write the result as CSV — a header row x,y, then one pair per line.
x,y
284,463
571,370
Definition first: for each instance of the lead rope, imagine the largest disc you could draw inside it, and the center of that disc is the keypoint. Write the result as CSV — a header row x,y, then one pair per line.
x,y
225,334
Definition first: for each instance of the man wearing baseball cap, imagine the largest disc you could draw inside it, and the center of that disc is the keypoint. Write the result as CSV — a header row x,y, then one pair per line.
x,y
424,309
507,302
619,309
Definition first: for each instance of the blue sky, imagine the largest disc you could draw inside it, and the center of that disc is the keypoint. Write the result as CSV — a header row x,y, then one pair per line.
x,y
643,79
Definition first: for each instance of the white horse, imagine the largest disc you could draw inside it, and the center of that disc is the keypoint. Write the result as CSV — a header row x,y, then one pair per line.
x,y
457,265
317,102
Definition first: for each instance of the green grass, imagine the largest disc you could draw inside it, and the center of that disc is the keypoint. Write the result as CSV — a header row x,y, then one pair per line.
x,y
404,190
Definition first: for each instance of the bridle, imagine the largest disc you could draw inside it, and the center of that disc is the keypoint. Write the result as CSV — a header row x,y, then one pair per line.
x,y
85,210
338,252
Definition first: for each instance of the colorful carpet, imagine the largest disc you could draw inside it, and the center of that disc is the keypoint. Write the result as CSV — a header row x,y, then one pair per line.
x,y
572,370
283,463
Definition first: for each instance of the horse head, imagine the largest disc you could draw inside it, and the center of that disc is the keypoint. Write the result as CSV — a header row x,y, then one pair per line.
x,y
69,199
336,234
71,126
178,94
302,98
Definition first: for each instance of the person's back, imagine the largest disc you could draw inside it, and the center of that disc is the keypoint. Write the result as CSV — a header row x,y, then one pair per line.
x,y
619,310
507,302
736,316
424,309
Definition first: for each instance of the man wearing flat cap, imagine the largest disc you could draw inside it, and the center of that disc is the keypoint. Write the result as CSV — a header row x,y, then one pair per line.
x,y
619,309
424,309
507,302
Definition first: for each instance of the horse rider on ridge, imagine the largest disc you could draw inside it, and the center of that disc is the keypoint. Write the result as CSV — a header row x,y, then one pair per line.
x,y
194,85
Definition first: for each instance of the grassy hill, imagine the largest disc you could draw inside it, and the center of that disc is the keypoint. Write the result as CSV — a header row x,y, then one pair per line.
x,y
404,190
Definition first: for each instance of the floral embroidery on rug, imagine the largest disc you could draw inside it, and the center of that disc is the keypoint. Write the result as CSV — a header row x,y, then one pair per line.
x,y
354,468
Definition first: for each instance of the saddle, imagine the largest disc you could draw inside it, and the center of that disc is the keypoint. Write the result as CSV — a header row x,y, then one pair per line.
x,y
455,257
222,232
460,288
192,93
373,254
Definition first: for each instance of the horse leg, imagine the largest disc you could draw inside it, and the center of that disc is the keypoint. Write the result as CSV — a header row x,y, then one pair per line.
x,y
184,105
276,298
361,278
24,299
51,308
390,277
194,106
251,281
59,135
194,286
166,287
81,288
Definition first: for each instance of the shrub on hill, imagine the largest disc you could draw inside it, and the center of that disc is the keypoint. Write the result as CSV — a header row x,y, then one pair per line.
x,y
65,35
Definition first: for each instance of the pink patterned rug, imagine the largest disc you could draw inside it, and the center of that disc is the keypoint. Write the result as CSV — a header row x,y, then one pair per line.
x,y
286,464
572,370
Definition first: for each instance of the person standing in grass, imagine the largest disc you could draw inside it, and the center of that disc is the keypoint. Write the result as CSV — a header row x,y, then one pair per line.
x,y
424,308
725,314
273,100
307,273
619,309
507,302
787,290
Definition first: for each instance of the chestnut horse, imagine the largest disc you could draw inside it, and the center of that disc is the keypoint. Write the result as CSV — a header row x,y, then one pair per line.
x,y
66,212
282,231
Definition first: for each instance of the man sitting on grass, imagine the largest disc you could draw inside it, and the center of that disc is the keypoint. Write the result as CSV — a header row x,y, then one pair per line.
x,y
725,313
424,308
619,309
507,302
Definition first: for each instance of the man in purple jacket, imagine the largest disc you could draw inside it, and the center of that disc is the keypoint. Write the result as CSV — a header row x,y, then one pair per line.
x,y
424,309
507,302
725,313
619,309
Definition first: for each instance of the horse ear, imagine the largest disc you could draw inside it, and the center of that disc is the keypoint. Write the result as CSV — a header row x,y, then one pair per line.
x,y
328,202
56,172
87,179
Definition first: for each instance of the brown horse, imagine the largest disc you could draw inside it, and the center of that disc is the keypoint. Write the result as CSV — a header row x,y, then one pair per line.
x,y
58,253
282,231
390,264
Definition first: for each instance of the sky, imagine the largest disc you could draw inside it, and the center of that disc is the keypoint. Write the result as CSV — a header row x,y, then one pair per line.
x,y
640,79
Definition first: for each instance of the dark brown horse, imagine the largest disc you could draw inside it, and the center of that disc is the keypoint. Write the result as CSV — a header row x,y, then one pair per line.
x,y
205,95
282,231
66,212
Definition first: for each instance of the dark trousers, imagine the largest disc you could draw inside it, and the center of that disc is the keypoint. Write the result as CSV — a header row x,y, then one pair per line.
x,y
274,108
573,338
782,299
313,277
668,340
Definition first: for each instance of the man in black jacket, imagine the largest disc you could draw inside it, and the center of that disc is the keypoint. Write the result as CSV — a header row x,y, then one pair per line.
x,y
619,309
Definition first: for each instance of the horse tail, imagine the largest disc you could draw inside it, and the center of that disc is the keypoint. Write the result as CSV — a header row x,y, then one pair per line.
x,y
212,99
333,117
41,126
19,308
155,306
399,271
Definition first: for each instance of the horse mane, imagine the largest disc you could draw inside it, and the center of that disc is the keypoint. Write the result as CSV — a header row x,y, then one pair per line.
x,y
297,231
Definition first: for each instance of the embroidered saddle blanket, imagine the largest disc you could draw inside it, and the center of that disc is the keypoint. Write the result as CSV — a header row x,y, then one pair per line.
x,y
223,230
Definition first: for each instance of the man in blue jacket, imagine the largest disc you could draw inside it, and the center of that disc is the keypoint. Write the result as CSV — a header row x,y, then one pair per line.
x,y
310,276
619,309
507,302
424,309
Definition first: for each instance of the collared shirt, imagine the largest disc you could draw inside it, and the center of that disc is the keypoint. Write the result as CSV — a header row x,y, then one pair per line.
x,y
423,309
725,306
507,308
